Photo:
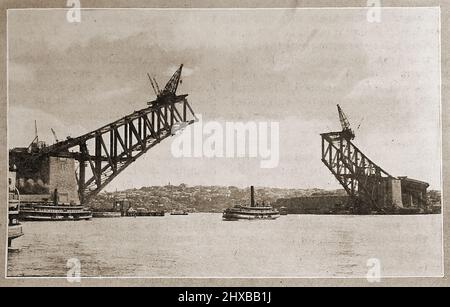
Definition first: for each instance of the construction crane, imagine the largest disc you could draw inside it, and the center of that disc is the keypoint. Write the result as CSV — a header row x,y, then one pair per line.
x,y
104,153
54,135
36,137
154,86
35,144
168,94
345,124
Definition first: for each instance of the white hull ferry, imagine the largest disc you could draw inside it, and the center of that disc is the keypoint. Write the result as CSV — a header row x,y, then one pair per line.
x,y
49,212
39,208
252,212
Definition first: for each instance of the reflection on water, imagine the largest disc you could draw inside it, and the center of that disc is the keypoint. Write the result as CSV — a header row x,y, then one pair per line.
x,y
202,245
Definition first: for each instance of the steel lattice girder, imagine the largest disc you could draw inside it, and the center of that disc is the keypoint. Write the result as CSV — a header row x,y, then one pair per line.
x,y
104,153
359,176
124,141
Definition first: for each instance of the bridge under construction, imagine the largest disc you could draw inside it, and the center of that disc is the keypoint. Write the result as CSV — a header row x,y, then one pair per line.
x,y
370,187
79,168
76,169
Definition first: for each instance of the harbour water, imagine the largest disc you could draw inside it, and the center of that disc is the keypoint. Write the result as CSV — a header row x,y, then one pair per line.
x,y
202,245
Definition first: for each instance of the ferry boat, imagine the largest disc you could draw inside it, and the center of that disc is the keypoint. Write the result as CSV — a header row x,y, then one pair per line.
x,y
14,226
42,209
252,212
52,212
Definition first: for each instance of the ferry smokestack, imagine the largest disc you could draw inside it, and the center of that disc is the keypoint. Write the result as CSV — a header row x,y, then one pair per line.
x,y
252,196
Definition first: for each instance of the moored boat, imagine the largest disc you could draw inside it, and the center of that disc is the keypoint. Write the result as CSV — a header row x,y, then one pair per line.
x,y
283,210
179,212
14,227
106,214
156,213
144,212
152,212
50,212
40,208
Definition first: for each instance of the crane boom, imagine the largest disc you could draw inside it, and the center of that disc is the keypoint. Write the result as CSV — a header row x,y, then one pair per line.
x,y
153,86
172,85
345,124
157,87
36,137
168,94
54,135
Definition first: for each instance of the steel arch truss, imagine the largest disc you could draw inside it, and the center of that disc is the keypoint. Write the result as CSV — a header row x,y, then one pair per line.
x,y
361,178
104,153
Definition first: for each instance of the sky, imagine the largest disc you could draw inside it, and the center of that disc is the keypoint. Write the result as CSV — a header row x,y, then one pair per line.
x,y
291,66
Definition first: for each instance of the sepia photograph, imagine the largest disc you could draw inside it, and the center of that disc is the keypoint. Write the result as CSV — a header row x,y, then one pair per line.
x,y
224,143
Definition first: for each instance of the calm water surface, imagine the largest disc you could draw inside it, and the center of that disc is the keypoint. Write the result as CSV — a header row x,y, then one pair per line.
x,y
202,245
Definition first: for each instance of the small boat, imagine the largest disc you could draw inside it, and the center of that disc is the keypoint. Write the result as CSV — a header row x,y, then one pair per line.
x,y
252,212
106,214
144,212
283,210
156,213
179,212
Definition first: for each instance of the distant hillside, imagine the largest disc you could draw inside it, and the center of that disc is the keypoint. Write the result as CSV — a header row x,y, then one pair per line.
x,y
199,198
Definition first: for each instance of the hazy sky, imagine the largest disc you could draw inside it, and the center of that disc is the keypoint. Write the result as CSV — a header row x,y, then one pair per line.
x,y
290,66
